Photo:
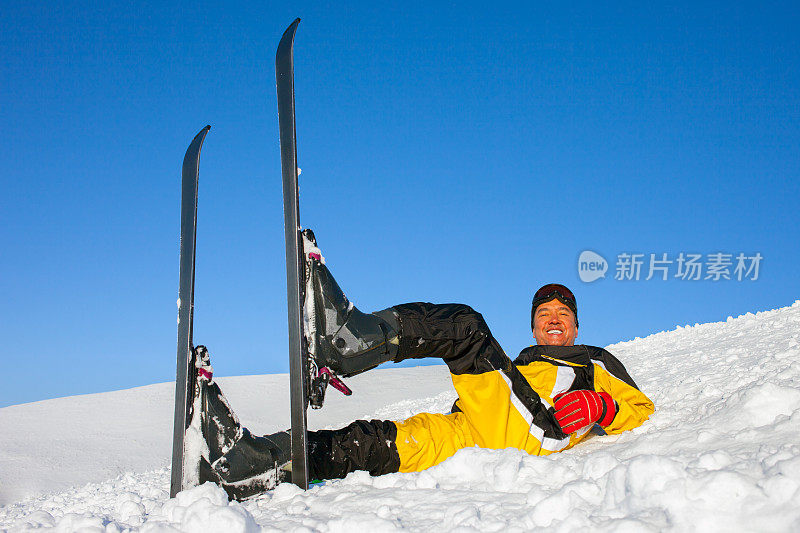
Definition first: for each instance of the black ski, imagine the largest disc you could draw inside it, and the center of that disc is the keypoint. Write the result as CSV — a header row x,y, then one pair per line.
x,y
295,267
184,384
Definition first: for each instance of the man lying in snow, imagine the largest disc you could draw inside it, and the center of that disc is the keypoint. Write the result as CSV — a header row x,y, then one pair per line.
x,y
545,401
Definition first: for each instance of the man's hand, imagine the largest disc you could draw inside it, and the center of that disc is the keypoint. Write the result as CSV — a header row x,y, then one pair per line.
x,y
580,408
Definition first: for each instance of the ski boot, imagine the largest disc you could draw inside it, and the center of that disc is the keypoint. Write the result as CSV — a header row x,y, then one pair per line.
x,y
241,463
340,337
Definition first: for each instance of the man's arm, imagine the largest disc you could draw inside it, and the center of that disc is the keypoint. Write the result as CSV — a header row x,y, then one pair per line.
x,y
633,406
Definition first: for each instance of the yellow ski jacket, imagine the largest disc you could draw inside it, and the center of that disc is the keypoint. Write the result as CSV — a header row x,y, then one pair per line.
x,y
494,410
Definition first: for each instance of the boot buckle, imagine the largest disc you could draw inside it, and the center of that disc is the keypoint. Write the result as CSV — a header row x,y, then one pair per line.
x,y
319,385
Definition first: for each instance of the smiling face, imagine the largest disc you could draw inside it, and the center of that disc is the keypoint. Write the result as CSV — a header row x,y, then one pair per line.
x,y
554,324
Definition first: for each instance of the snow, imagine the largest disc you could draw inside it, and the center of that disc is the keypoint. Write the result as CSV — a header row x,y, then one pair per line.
x,y
721,452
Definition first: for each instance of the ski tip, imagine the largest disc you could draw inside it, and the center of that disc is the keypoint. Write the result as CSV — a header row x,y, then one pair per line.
x,y
203,131
193,152
290,31
284,53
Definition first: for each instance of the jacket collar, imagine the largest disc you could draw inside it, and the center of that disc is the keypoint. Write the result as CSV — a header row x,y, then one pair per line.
x,y
578,354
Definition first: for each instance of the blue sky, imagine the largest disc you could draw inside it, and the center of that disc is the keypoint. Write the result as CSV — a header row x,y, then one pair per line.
x,y
450,152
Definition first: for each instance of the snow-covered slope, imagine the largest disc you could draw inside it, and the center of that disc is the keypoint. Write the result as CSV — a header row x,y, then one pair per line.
x,y
722,452
52,445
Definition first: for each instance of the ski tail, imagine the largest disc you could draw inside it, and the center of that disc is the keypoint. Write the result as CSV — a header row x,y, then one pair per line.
x,y
184,381
295,267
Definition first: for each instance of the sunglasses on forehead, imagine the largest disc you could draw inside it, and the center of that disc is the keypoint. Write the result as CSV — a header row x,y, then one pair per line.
x,y
553,290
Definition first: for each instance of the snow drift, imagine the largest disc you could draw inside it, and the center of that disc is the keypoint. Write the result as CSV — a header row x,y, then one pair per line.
x,y
721,452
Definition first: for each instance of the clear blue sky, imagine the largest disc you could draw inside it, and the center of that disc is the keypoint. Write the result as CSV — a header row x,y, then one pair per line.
x,y
461,152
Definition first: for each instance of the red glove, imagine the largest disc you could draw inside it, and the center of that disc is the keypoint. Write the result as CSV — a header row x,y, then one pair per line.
x,y
580,408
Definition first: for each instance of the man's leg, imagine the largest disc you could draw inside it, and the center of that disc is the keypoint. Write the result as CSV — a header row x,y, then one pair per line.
x,y
361,445
383,447
246,465
426,439
453,332
349,341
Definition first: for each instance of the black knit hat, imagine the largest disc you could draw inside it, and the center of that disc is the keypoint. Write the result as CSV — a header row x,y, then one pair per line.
x,y
548,292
